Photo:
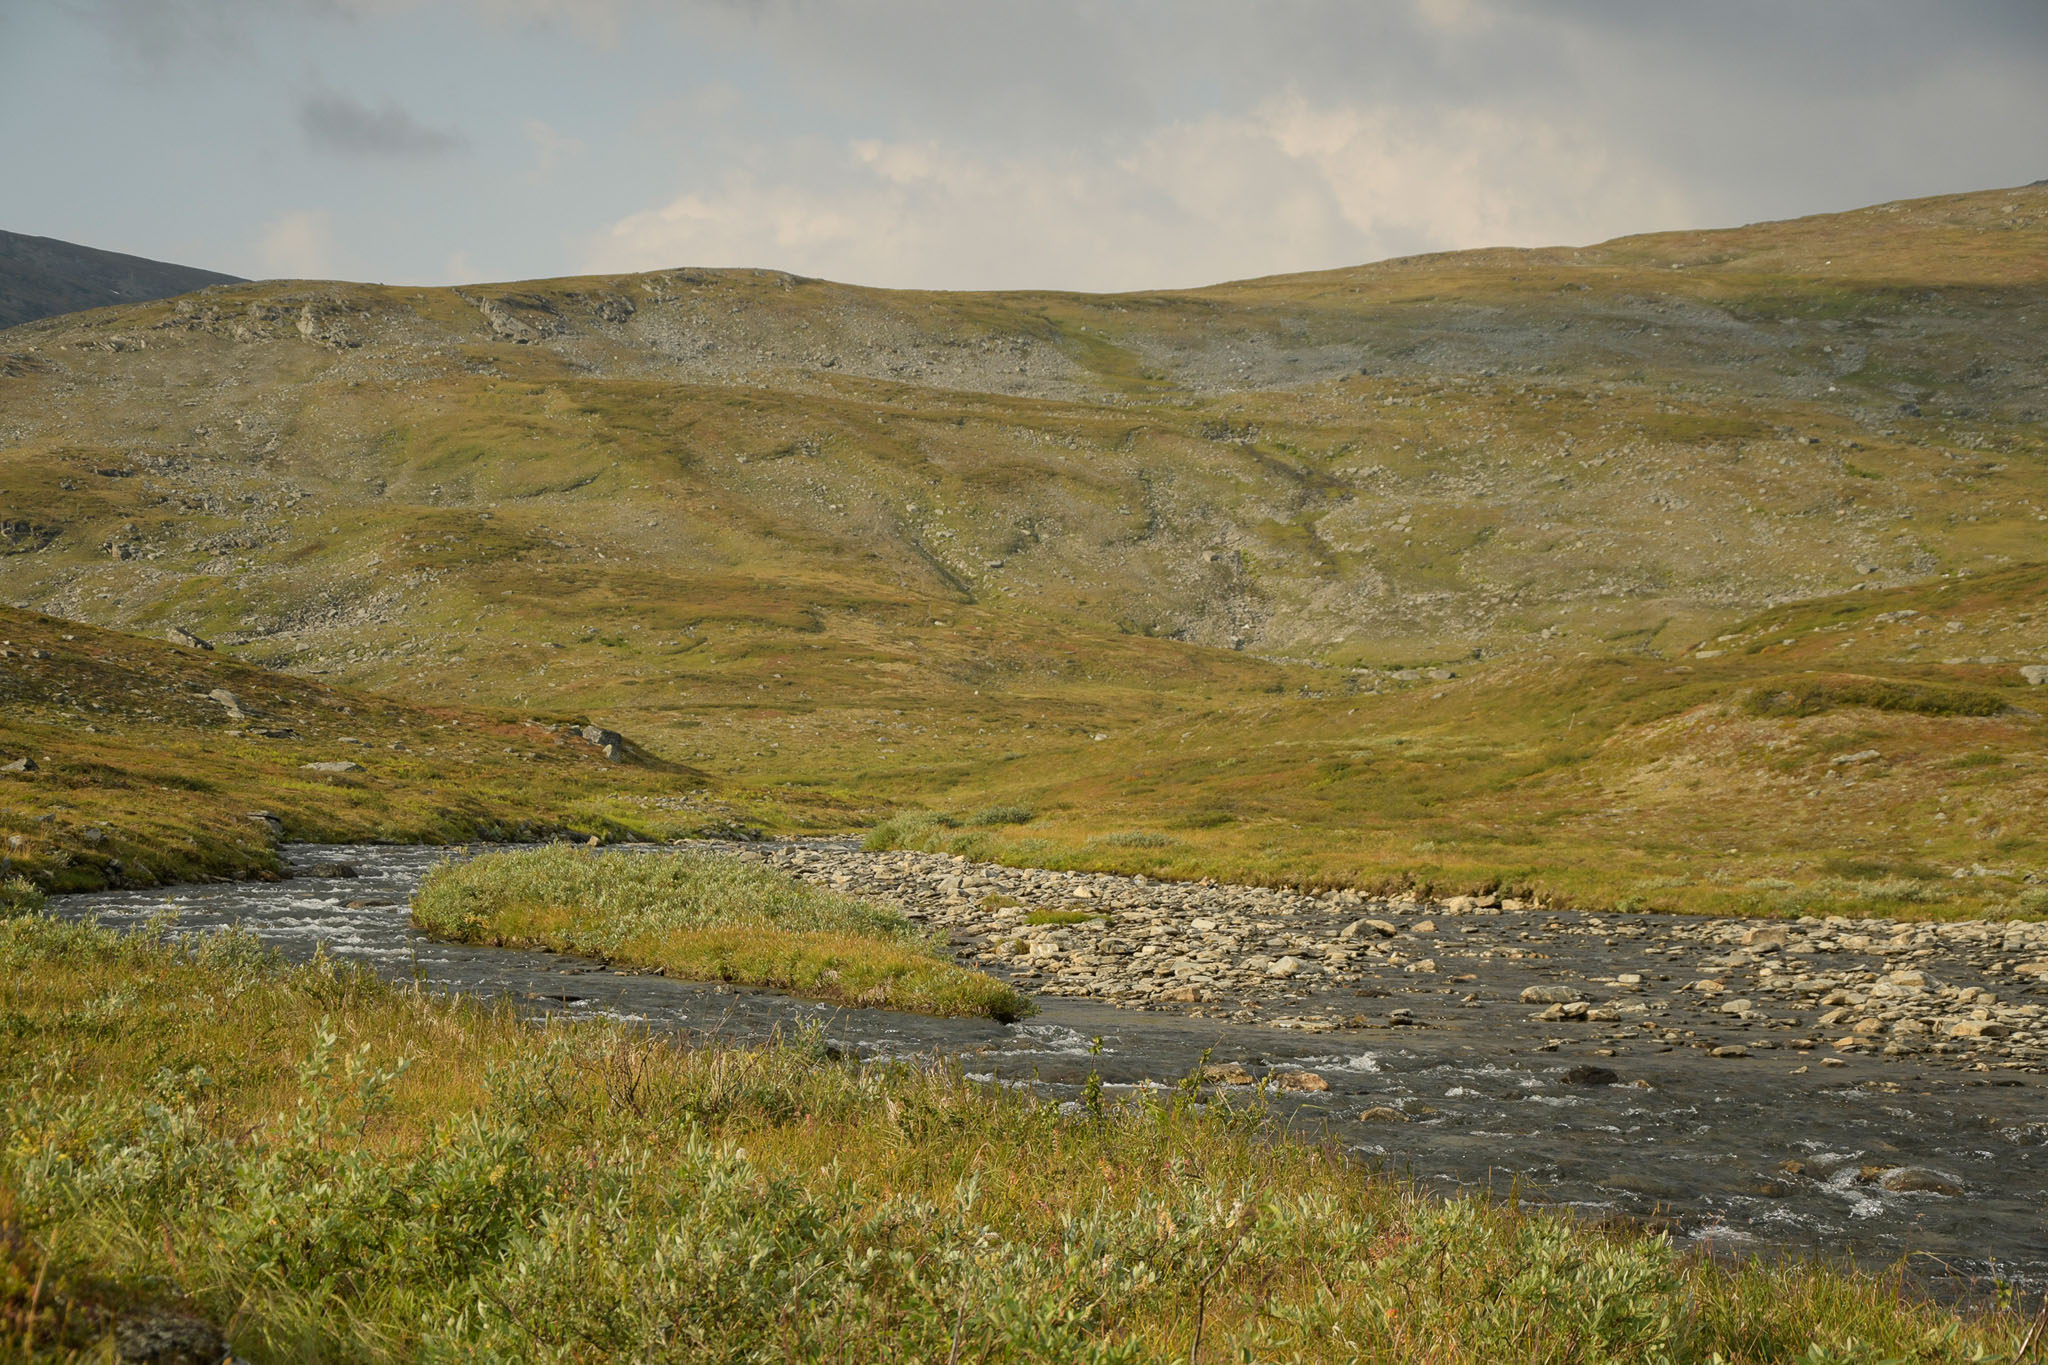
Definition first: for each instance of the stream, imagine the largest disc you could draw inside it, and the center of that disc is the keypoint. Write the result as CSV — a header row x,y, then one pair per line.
x,y
1871,1160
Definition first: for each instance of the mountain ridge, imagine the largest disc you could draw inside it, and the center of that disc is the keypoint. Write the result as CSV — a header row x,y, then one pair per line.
x,y
927,548
47,277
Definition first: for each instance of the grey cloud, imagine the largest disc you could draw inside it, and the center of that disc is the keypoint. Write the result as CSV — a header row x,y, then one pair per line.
x,y
1767,109
336,123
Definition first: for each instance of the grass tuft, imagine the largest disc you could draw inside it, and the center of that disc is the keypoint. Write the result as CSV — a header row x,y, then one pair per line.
x,y
1065,916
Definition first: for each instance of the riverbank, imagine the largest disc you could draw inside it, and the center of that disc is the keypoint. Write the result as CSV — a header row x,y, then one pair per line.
x,y
363,1172
1810,991
1878,1158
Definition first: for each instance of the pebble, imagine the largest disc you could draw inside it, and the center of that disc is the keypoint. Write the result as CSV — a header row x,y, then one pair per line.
x,y
1971,995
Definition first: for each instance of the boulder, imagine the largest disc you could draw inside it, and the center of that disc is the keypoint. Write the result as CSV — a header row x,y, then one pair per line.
x,y
1549,995
337,765
19,765
610,742
1919,1180
2035,674
1591,1075
178,635
1226,1073
168,1339
328,869
1307,1082
228,700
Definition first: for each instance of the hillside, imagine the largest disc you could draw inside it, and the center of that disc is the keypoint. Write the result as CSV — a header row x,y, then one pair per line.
x,y
135,762
927,547
41,277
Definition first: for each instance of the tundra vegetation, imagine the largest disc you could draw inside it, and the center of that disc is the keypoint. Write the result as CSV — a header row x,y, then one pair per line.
x,y
706,918
1696,571
1563,572
330,1168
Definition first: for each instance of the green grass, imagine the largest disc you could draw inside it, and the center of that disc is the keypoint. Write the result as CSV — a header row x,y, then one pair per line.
x,y
1066,916
705,918
337,1170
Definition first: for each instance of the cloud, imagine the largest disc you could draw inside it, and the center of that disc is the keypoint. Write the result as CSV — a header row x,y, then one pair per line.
x,y
1288,185
336,123
297,246
550,148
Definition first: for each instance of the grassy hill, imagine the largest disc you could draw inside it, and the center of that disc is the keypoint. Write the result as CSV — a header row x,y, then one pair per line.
x,y
1410,571
135,762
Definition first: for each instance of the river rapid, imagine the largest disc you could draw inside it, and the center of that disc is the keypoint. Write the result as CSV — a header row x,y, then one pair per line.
x,y
1868,1157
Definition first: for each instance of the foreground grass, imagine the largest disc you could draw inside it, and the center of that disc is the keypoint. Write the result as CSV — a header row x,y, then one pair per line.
x,y
708,919
333,1169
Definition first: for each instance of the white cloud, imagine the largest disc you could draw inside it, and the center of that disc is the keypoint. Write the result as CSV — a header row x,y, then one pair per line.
x,y
1289,185
550,148
297,246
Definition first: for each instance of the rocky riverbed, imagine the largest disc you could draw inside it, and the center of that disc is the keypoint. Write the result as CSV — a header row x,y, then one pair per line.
x,y
1729,1135
1811,991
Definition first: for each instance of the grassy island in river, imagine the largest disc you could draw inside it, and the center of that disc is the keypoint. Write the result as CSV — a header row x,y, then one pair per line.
x,y
708,919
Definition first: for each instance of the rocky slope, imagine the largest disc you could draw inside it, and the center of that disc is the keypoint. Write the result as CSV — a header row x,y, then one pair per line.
x,y
1474,570
1402,462
41,277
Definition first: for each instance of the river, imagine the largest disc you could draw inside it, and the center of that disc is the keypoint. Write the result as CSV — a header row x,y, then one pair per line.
x,y
1744,1159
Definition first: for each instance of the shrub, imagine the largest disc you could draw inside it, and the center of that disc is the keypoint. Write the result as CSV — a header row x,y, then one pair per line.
x,y
1001,815
1811,698
19,896
911,829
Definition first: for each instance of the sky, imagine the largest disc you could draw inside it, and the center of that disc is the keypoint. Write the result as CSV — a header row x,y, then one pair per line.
x,y
952,144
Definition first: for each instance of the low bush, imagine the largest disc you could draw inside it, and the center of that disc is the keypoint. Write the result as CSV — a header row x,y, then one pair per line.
x,y
1001,815
911,829
19,896
1811,698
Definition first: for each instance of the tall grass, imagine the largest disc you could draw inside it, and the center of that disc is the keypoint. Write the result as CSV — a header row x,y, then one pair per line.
x,y
706,918
333,1170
